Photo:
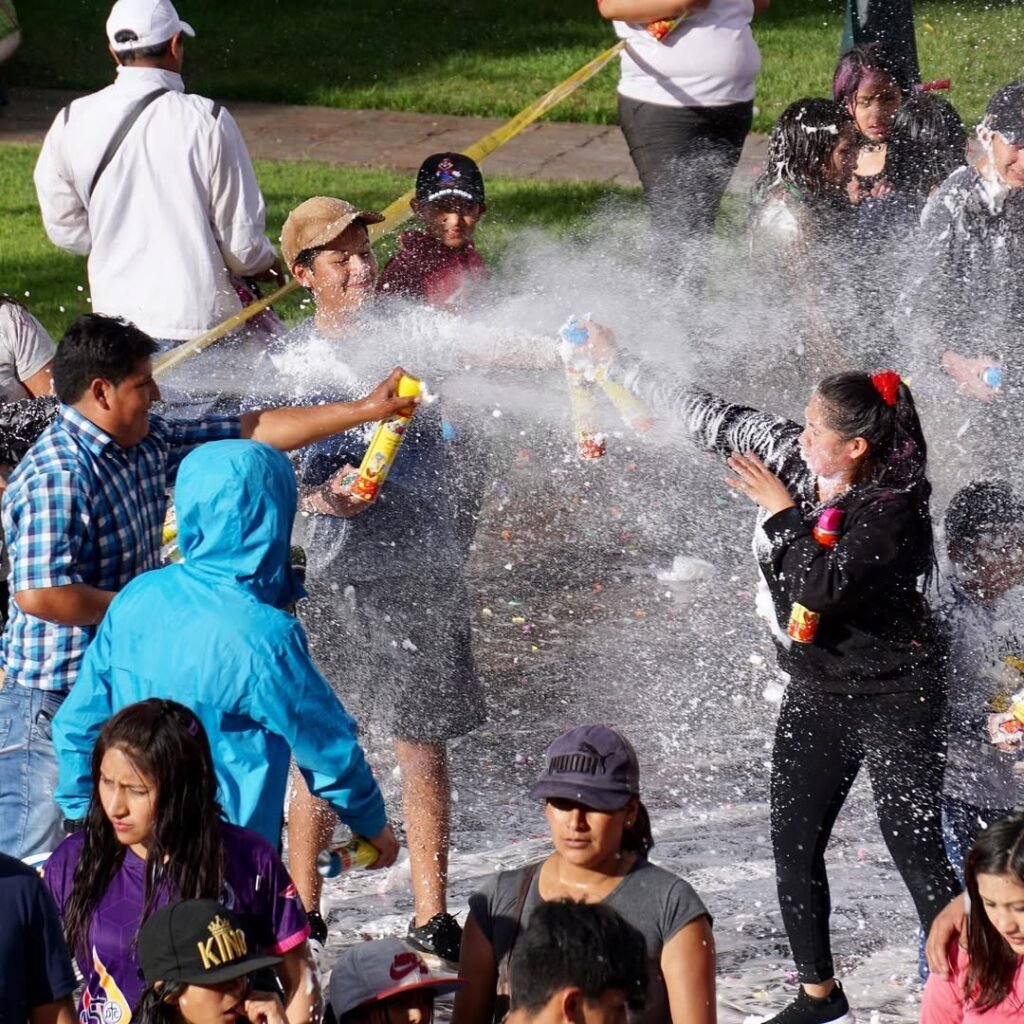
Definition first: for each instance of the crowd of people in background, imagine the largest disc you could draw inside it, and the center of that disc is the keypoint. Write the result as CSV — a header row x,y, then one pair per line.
x,y
149,777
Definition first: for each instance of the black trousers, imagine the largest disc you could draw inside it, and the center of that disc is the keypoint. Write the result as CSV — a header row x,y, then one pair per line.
x,y
685,157
821,741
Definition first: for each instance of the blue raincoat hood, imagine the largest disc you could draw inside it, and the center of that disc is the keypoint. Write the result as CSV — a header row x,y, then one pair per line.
x,y
235,502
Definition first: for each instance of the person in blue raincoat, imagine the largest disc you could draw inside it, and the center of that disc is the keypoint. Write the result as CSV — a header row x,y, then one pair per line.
x,y
212,633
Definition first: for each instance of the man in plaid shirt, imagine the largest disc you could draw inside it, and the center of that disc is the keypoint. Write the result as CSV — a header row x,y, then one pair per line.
x,y
83,515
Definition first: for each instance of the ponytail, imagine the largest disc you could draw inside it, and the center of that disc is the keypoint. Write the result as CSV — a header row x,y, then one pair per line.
x,y
880,409
638,838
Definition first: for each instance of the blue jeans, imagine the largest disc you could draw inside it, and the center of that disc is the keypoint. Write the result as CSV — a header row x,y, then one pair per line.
x,y
31,823
961,825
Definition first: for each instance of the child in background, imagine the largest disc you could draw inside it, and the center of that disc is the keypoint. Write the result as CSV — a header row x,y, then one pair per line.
x,y
799,211
811,154
871,85
439,265
983,982
927,144
985,540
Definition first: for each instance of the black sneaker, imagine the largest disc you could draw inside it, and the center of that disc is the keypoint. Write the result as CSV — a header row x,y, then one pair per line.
x,y
805,1009
317,928
441,936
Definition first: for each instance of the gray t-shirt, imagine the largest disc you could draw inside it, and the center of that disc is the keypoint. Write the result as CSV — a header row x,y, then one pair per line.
x,y
25,348
654,901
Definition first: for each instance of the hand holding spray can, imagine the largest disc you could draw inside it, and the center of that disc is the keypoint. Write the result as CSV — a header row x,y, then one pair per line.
x,y
386,441
590,444
357,853
803,623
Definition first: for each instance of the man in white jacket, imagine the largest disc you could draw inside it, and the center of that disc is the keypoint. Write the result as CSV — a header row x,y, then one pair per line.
x,y
154,185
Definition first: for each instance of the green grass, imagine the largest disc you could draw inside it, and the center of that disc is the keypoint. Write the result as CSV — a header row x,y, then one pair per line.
x,y
484,57
52,278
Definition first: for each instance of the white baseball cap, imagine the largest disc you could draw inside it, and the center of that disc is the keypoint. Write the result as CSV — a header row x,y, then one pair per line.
x,y
370,972
152,21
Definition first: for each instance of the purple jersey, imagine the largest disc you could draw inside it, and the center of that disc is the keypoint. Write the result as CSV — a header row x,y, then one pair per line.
x,y
256,886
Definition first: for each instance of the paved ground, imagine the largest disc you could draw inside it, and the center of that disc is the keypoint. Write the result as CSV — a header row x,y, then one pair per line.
x,y
381,138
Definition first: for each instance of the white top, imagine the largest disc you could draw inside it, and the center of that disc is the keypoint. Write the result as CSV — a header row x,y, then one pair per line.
x,y
25,348
710,60
175,210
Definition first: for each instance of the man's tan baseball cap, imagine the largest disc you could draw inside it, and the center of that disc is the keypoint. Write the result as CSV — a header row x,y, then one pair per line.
x,y
319,221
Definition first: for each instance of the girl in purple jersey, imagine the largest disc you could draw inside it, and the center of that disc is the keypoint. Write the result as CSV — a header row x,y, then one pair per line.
x,y
155,833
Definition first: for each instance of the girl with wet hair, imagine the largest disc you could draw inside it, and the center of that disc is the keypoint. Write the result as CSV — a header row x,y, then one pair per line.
x,y
985,982
809,152
799,215
845,551
871,84
154,832
927,143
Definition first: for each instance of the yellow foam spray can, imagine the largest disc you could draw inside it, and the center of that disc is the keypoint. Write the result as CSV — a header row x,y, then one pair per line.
x,y
633,411
384,445
357,853
590,443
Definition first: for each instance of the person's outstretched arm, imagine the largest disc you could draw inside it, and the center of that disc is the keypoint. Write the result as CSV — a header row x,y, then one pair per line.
x,y
705,419
293,427
298,704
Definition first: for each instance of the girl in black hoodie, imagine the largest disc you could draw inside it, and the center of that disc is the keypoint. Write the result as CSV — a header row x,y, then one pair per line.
x,y
866,687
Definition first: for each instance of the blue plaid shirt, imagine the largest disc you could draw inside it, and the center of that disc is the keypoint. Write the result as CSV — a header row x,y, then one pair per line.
x,y
81,509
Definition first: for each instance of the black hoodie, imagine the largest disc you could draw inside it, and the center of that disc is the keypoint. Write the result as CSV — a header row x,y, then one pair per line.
x,y
876,633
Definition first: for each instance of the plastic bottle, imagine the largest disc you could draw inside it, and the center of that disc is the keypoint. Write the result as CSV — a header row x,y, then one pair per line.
x,y
357,853
993,377
590,443
387,439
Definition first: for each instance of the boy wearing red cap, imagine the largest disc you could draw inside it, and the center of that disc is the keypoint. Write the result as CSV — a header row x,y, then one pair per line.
x,y
440,264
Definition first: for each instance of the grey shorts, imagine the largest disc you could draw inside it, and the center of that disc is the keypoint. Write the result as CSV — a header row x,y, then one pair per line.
x,y
398,653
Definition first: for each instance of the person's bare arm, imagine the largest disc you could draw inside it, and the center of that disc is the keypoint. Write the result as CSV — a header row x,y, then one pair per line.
x,y
76,604
41,382
303,1003
478,968
647,10
688,967
951,923
296,426
60,1011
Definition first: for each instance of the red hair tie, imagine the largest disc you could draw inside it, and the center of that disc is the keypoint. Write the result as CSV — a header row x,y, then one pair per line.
x,y
887,384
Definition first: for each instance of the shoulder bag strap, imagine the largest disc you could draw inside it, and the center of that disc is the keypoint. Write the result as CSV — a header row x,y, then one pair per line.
x,y
119,136
524,890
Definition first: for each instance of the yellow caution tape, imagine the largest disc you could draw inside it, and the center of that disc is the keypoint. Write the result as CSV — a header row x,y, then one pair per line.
x,y
398,212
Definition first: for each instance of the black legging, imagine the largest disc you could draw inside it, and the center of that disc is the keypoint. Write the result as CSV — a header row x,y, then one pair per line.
x,y
821,740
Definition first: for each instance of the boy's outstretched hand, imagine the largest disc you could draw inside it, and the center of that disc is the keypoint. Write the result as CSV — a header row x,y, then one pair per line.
x,y
384,401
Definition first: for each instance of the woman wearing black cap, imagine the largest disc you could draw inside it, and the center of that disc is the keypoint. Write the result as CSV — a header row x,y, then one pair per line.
x,y
601,835
198,963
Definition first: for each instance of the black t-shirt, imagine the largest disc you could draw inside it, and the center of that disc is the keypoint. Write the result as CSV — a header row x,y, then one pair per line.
x,y
35,967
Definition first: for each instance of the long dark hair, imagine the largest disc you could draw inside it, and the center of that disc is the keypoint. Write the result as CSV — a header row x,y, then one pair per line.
x,y
167,744
926,144
999,850
153,1007
800,148
897,458
855,407
638,837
